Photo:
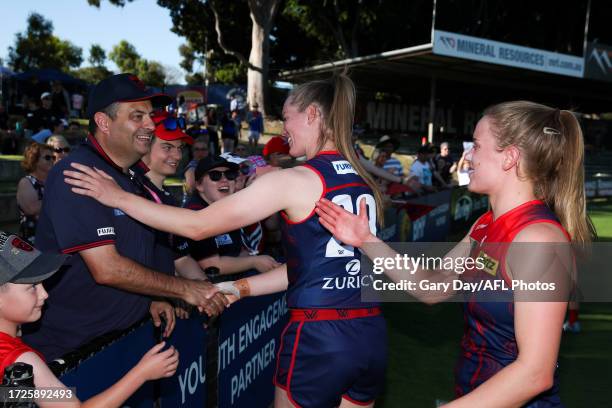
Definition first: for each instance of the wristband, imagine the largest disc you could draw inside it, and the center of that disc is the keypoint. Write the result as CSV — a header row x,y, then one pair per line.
x,y
243,287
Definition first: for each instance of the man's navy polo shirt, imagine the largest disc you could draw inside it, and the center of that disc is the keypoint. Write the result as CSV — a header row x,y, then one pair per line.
x,y
78,309
169,247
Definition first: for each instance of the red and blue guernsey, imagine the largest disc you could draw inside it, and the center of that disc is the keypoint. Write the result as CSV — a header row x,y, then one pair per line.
x,y
323,273
489,342
334,346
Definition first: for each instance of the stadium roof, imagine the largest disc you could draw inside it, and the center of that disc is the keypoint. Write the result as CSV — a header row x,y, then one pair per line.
x,y
405,70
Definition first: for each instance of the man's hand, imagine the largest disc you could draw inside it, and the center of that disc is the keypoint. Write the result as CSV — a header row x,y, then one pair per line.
x,y
205,296
165,309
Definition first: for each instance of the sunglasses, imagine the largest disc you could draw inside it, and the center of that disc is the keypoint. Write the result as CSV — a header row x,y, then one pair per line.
x,y
62,150
215,175
172,123
48,157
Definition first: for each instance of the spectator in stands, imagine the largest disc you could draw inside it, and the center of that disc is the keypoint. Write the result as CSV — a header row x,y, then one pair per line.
x,y
228,133
77,104
445,166
32,118
60,98
276,152
241,151
113,262
199,150
37,162
216,179
212,129
463,170
22,297
60,147
47,114
420,172
256,126
238,121
389,145
74,126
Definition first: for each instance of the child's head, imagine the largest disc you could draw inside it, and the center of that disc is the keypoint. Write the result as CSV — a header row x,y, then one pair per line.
x,y
22,269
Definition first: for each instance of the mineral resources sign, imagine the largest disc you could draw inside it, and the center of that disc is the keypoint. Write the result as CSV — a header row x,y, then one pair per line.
x,y
494,52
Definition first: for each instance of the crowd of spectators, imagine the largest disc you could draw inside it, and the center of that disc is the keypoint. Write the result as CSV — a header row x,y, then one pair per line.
x,y
104,243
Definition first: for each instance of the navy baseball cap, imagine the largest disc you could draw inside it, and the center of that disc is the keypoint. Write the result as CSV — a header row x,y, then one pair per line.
x,y
123,88
20,262
212,162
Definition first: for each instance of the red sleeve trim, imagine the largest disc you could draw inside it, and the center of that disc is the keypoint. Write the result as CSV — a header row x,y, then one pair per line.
x,y
347,185
318,173
83,247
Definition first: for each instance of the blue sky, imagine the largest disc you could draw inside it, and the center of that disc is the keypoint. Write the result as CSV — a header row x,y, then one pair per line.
x,y
142,22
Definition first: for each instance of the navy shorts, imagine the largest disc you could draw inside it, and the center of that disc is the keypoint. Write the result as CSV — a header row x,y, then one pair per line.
x,y
323,358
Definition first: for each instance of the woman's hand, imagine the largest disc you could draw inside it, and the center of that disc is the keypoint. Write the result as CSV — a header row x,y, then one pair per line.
x,y
94,183
158,364
345,226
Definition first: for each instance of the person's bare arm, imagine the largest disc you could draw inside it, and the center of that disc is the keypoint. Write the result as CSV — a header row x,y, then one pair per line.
x,y
276,191
154,364
187,267
110,268
354,230
233,264
273,281
27,198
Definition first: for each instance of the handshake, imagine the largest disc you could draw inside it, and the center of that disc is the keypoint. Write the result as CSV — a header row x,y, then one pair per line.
x,y
212,299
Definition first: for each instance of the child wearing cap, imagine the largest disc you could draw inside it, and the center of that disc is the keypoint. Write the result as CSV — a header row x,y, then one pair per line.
x,y
22,297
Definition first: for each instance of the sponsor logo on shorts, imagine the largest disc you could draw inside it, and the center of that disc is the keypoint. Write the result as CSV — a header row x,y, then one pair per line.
x,y
106,231
343,167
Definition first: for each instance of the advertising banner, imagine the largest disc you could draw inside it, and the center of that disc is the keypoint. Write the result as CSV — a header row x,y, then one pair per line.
x,y
249,338
495,52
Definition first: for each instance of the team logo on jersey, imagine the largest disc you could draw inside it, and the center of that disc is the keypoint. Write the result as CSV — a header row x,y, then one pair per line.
x,y
106,231
353,267
343,167
224,239
490,264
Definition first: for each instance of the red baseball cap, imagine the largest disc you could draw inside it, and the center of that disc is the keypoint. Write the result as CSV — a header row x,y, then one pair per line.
x,y
167,128
276,144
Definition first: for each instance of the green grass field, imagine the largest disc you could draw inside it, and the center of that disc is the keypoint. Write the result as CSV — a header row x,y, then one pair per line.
x,y
424,345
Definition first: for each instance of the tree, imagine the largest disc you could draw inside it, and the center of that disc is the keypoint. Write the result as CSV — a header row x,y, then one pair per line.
x,y
128,59
37,47
92,75
125,56
97,55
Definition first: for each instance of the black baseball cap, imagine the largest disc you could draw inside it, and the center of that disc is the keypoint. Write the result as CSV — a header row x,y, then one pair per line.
x,y
20,262
123,88
212,162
